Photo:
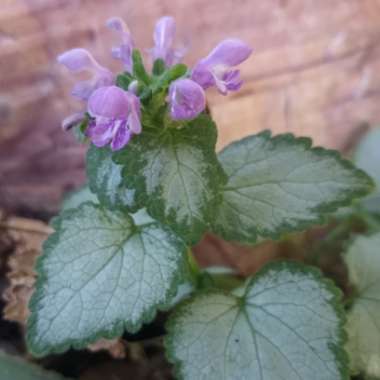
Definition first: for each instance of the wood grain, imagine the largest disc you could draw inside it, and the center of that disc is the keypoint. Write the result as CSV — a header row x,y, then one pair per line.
x,y
315,71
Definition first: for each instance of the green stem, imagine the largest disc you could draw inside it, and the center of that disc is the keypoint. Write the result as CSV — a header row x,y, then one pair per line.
x,y
195,269
336,234
372,222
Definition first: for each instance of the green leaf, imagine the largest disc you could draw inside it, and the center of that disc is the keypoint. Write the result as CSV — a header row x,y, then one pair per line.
x,y
79,130
106,182
367,157
173,73
139,69
286,324
184,291
176,175
101,272
14,368
162,82
280,184
363,326
75,198
124,80
220,278
158,67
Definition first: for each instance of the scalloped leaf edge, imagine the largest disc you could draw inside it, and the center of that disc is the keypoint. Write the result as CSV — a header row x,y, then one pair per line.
x,y
323,211
121,326
99,192
139,184
294,267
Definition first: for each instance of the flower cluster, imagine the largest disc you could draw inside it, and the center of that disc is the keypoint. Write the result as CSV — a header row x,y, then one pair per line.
x,y
114,112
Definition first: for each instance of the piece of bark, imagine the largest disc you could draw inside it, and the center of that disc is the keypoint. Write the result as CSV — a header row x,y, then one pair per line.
x,y
27,237
247,260
152,368
115,347
314,72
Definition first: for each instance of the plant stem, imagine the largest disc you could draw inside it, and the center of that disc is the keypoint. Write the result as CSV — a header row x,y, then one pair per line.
x,y
195,269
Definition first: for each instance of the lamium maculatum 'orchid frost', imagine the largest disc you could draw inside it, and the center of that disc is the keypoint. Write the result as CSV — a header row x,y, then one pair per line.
x,y
217,69
113,117
76,61
164,36
121,250
116,117
123,52
186,98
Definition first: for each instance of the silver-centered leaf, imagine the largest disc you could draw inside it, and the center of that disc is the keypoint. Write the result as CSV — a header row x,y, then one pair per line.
x,y
15,368
176,175
75,198
281,184
105,180
363,326
367,157
286,325
101,273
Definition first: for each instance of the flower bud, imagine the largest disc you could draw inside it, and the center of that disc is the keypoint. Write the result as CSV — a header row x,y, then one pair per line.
x,y
186,98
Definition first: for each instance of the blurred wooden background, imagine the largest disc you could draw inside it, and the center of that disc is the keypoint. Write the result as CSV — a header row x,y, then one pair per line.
x,y
315,71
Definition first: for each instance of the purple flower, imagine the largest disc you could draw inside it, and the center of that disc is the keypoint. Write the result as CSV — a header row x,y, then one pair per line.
x,y
116,116
125,49
72,120
217,68
186,98
78,60
164,34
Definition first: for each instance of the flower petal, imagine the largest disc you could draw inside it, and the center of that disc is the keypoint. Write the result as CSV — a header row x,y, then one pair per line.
x,y
221,86
117,24
72,120
125,49
187,99
216,68
124,54
77,60
133,87
102,139
134,117
109,102
202,75
230,52
95,130
134,124
83,89
121,138
164,34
